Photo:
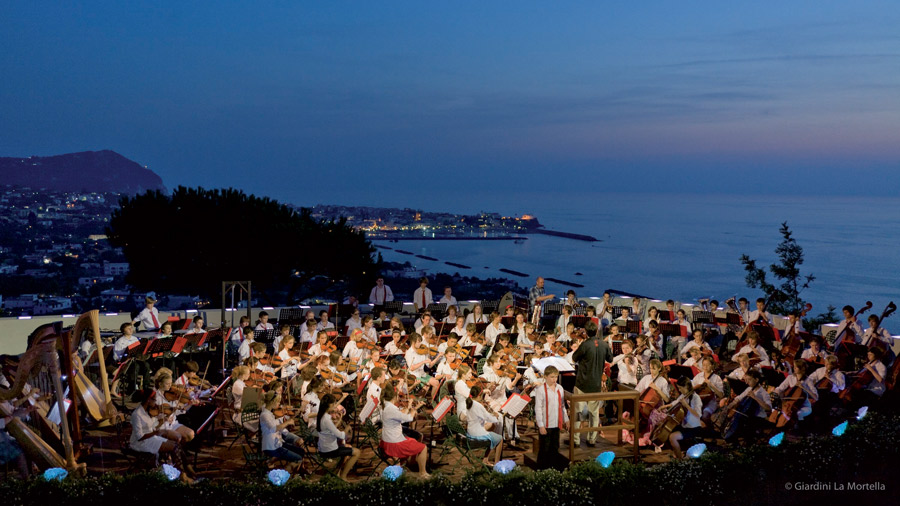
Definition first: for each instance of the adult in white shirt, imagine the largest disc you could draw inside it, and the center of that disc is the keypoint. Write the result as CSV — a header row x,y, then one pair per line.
x,y
380,293
448,297
149,316
422,296
125,341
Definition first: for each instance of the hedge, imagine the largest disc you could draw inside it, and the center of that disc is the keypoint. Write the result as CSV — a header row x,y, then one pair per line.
x,y
759,474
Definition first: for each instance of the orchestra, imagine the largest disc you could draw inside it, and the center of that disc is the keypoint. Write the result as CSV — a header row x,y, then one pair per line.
x,y
317,394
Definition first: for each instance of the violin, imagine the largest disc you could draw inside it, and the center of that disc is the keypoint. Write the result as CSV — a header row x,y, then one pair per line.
x,y
559,349
477,381
455,364
284,411
424,349
347,366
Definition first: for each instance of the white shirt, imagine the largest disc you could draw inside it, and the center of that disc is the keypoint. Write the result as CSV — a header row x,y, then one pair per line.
x,y
353,323
380,295
809,355
244,349
195,330
143,424
392,419
491,333
373,393
370,334
290,365
329,435
449,301
412,358
237,391
627,375
875,386
714,380
122,345
853,326
791,381
547,404
747,349
881,334
417,297
391,348
324,326
445,370
237,335
470,318
838,381
353,352
759,393
693,344
271,436
754,315
661,382
263,326
145,317
690,420
477,417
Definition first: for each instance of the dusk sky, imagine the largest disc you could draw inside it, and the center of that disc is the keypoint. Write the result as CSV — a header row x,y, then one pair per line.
x,y
347,102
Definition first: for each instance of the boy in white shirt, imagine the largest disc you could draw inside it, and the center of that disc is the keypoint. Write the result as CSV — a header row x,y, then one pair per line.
x,y
551,415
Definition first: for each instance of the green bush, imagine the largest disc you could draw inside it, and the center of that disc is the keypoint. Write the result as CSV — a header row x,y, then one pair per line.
x,y
747,476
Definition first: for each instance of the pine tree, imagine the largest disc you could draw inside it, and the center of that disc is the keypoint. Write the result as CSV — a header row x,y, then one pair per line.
x,y
783,295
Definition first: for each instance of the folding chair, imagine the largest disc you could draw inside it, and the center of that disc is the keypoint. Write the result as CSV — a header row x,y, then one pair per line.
x,y
137,461
373,439
309,439
479,367
249,417
463,443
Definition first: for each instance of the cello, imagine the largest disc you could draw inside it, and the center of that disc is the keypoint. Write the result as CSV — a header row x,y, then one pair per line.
x,y
874,341
649,401
792,341
847,336
674,417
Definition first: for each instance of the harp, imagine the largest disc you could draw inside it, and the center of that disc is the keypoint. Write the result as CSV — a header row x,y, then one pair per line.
x,y
97,405
39,368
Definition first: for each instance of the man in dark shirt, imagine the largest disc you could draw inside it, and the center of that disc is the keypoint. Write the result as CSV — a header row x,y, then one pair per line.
x,y
590,359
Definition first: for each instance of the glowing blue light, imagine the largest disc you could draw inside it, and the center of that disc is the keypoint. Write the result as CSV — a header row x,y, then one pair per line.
x,y
839,430
392,472
696,451
776,439
862,412
278,477
504,466
605,459
171,472
55,473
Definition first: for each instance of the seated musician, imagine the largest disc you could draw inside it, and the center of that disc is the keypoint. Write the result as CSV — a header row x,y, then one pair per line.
x,y
801,379
530,377
501,385
321,346
644,352
477,315
397,324
377,379
323,323
289,363
681,319
316,390
354,322
753,350
564,318
613,334
814,353
163,384
743,368
196,326
510,311
263,322
393,441
652,316
277,441
309,331
708,379
832,372
331,438
469,340
550,343
760,313
459,326
259,352
697,341
692,424
494,329
452,316
503,341
382,318
876,335
461,390
627,365
417,361
424,321
307,373
742,424
352,350
368,330
445,370
604,310
694,360
779,363
244,351
338,379
239,376
655,338
567,332
125,341
793,322
393,348
165,331
876,388
10,450
655,380
148,435
479,421
284,330
237,333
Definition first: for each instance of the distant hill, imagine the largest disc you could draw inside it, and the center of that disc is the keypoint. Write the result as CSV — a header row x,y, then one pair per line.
x,y
99,171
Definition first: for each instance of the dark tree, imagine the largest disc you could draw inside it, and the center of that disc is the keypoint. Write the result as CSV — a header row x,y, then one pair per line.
x,y
191,241
783,297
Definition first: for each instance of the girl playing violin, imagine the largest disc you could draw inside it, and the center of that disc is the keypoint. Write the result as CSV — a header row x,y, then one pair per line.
x,y
352,350
285,330
322,346
447,370
480,420
239,375
174,406
277,441
470,339
706,378
461,389
417,360
331,436
393,348
393,442
289,363
147,435
494,329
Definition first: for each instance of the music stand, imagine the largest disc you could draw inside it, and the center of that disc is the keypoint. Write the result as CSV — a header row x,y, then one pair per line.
x,y
677,372
489,306
773,378
507,321
553,308
732,319
136,350
291,316
437,311
392,307
703,317
665,314
520,302
345,311
157,347
480,327
633,327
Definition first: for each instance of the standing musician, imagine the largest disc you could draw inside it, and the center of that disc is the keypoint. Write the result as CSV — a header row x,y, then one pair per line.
x,y
149,316
760,313
448,298
422,297
692,424
536,296
590,359
551,415
380,293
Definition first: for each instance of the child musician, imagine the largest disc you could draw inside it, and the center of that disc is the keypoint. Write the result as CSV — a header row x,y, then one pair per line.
x,y
393,348
627,366
479,420
799,378
147,435
706,377
754,348
416,363
696,342
277,441
691,425
551,416
331,437
393,442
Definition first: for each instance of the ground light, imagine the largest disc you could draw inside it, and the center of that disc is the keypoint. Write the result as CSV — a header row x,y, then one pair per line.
x,y
605,459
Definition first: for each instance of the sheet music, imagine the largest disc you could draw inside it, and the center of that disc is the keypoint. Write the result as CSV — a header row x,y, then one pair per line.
x,y
515,404
560,363
441,410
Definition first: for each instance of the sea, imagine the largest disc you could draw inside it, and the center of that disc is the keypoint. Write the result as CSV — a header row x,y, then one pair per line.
x,y
680,246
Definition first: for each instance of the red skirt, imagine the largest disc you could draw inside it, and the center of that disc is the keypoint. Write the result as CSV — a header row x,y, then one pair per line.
x,y
408,448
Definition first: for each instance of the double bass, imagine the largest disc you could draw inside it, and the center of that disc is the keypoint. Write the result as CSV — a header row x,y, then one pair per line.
x,y
792,341
846,337
875,342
